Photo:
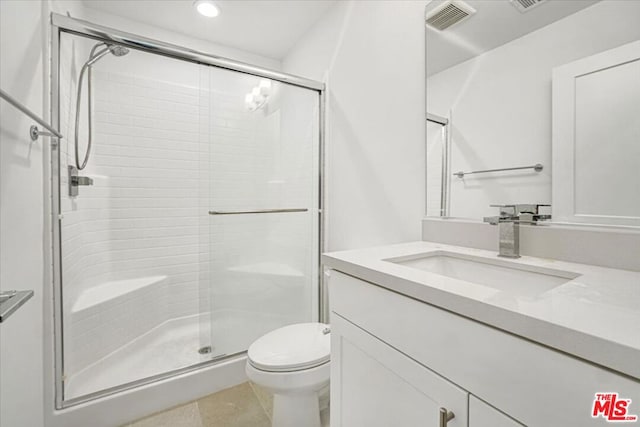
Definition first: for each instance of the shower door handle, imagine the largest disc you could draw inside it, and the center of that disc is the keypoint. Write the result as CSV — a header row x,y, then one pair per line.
x,y
259,211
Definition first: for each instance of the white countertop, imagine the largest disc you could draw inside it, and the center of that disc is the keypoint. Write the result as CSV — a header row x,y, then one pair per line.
x,y
595,316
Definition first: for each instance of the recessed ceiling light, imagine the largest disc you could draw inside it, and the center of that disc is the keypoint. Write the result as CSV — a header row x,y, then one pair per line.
x,y
206,8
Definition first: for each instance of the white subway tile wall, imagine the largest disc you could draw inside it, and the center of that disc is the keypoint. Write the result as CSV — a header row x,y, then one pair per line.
x,y
140,218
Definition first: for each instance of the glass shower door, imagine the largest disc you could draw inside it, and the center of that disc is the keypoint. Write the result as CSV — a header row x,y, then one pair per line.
x,y
130,242
263,183
197,226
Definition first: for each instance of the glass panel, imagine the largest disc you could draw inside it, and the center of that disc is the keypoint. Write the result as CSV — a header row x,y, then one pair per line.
x,y
131,241
435,145
263,156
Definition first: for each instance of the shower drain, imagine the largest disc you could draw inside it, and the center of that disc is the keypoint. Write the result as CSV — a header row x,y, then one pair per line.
x,y
205,350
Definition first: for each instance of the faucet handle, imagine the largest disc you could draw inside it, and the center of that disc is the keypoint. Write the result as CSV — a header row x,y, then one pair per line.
x,y
519,213
529,214
507,213
520,208
536,218
530,208
506,210
535,208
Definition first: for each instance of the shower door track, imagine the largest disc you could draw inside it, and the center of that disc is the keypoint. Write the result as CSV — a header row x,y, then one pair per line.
x,y
106,34
66,24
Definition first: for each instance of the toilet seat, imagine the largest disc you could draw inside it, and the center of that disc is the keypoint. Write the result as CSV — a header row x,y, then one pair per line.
x,y
291,348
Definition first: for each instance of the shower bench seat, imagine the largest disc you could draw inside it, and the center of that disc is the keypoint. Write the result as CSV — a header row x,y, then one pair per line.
x,y
114,290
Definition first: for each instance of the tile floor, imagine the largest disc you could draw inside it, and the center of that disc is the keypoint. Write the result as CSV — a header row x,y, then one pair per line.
x,y
245,405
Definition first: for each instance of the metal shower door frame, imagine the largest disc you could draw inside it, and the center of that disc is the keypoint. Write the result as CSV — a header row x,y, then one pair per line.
x,y
64,24
444,181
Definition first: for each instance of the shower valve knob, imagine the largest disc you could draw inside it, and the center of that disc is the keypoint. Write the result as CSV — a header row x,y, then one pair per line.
x,y
81,180
76,181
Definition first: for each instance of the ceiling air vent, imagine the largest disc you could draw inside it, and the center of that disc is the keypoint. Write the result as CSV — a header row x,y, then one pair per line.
x,y
448,13
526,5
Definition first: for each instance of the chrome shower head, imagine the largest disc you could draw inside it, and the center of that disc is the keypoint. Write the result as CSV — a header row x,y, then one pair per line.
x,y
115,49
118,50
98,51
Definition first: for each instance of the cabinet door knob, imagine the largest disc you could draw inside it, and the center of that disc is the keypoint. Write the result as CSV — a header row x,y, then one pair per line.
x,y
445,417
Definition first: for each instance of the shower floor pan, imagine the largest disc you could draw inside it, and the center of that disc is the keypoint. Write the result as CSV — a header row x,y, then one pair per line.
x,y
172,345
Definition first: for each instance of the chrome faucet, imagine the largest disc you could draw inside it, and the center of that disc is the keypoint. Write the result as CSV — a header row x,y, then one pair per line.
x,y
508,222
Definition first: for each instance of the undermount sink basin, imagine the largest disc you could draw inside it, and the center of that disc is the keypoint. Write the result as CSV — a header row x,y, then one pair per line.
x,y
493,273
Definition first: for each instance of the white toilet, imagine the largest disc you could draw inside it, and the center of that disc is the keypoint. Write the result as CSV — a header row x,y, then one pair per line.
x,y
293,363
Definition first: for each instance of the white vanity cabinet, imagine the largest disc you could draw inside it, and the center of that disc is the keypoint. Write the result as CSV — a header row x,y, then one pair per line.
x,y
374,385
397,360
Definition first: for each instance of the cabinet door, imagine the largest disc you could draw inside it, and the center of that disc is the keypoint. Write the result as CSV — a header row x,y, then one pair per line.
x,y
375,385
483,415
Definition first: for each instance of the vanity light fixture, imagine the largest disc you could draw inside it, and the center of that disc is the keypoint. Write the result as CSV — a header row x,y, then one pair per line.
x,y
206,8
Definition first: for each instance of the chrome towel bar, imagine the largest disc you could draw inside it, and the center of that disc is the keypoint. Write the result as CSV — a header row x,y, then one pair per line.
x,y
34,133
537,167
260,211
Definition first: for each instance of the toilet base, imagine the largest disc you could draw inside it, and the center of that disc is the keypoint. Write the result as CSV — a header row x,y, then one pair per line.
x,y
296,394
296,410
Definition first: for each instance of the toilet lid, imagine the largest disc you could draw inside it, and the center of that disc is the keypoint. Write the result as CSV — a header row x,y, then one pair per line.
x,y
292,348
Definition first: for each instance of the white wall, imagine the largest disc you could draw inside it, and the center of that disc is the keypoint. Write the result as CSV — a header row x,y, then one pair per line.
x,y
372,55
22,75
25,347
501,104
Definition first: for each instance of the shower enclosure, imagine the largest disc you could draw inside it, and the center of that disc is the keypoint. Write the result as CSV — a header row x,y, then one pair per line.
x,y
196,223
